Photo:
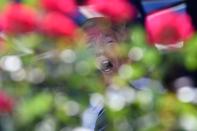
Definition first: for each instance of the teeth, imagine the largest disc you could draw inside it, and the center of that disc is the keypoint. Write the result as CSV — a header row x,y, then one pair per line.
x,y
108,70
106,65
105,61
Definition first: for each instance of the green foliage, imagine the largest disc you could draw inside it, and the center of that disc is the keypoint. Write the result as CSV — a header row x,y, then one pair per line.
x,y
56,80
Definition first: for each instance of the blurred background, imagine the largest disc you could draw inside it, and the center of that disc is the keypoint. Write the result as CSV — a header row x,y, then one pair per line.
x,y
84,65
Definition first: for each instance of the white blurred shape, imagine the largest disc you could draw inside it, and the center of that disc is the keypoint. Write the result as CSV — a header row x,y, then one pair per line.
x,y
81,129
114,87
11,63
89,117
177,45
68,56
129,94
89,12
115,100
136,54
46,125
125,71
18,75
183,81
195,98
72,108
97,99
186,94
36,76
189,123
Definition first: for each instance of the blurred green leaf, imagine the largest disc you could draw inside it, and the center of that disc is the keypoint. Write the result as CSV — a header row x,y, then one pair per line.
x,y
32,108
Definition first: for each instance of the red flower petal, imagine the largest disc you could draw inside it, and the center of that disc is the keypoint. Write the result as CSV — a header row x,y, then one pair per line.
x,y
1,34
6,103
65,6
18,18
1,23
57,24
188,30
116,10
168,27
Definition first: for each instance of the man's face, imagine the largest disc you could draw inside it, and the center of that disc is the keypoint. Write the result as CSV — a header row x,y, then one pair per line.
x,y
103,40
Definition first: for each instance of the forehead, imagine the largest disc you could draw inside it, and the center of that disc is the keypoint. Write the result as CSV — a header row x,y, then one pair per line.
x,y
100,23
98,31
97,26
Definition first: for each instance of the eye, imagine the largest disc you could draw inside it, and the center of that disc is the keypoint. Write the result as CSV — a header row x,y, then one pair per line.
x,y
109,39
106,66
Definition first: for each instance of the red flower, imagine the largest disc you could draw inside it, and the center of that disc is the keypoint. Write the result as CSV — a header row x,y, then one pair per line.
x,y
168,27
19,18
6,103
1,24
65,6
116,10
57,24
1,34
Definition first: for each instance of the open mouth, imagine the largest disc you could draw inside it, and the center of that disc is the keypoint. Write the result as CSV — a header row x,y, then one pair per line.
x,y
106,66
